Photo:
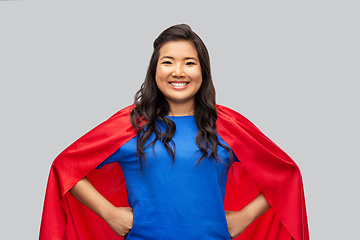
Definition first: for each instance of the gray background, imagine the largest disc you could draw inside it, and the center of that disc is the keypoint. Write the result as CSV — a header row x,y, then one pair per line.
x,y
290,67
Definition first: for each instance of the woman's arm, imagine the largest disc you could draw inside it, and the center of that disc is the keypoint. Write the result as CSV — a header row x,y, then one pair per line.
x,y
239,221
120,219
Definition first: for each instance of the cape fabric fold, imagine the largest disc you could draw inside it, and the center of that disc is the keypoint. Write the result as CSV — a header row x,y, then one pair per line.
x,y
263,167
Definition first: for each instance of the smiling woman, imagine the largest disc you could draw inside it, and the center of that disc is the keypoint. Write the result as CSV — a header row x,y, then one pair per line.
x,y
179,55
187,162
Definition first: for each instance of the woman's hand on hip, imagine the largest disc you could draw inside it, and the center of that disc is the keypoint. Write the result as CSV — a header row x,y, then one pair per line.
x,y
120,220
237,222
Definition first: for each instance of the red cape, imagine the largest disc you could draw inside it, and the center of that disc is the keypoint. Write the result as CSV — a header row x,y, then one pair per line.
x,y
264,168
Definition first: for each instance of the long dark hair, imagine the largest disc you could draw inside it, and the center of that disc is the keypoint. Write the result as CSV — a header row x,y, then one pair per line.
x,y
151,104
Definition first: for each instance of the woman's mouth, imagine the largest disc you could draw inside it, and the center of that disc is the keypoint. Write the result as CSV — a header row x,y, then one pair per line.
x,y
179,85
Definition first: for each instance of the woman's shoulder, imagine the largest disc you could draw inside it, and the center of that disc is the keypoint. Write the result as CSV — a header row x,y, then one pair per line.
x,y
119,120
226,113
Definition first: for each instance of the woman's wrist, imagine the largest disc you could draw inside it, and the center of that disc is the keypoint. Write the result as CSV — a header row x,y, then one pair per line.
x,y
107,212
247,217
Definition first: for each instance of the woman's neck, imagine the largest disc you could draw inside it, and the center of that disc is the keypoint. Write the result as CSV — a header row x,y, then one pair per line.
x,y
183,109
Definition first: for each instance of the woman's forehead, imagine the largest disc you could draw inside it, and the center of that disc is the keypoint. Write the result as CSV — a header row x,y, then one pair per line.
x,y
181,48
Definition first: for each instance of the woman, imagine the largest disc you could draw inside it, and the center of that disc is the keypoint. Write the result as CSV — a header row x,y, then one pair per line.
x,y
175,147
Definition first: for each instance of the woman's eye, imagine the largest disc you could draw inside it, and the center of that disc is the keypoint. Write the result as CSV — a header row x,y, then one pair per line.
x,y
167,62
190,63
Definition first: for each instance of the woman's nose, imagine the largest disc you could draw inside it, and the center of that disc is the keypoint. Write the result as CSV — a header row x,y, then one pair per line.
x,y
178,72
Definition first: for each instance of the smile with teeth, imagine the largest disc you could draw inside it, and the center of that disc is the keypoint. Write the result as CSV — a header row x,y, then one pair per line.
x,y
179,84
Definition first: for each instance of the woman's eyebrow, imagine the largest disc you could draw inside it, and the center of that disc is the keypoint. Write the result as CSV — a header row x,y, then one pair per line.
x,y
166,57
187,58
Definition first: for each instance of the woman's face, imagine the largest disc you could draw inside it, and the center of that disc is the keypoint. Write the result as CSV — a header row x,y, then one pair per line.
x,y
178,72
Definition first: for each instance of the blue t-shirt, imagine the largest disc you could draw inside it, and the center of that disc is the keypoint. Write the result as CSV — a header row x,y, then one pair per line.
x,y
179,201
